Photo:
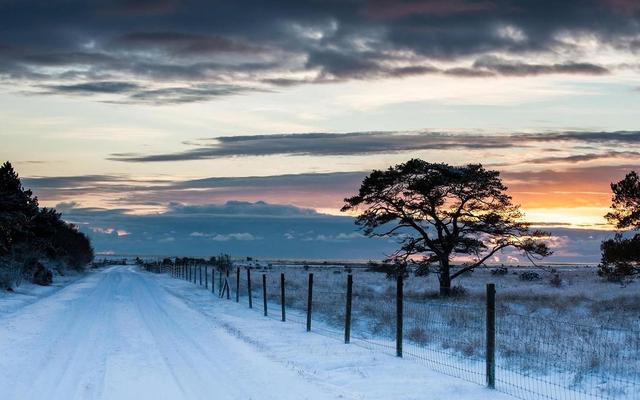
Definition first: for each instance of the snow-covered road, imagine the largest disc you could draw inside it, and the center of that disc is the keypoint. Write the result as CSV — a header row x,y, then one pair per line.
x,y
125,334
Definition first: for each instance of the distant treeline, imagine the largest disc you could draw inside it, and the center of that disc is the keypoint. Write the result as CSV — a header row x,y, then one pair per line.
x,y
34,239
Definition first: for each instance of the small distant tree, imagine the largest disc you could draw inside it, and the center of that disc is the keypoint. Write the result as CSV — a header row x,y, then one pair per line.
x,y
621,255
438,211
222,262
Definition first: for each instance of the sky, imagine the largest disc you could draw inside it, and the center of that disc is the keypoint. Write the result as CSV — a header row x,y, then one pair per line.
x,y
256,119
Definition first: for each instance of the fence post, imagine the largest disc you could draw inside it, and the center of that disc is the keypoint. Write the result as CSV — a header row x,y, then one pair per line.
x,y
226,284
264,293
213,279
309,301
200,273
282,298
399,314
206,277
238,285
249,287
347,314
491,336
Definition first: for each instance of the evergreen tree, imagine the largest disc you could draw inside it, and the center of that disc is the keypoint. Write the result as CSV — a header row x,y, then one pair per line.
x,y
29,234
621,255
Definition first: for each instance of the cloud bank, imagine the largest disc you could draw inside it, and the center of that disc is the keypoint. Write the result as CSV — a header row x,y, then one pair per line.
x,y
272,231
160,52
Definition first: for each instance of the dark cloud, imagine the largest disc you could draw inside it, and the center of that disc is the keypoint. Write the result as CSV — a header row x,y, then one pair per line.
x,y
135,93
499,66
313,189
93,88
578,158
620,137
182,43
322,144
325,144
250,43
191,94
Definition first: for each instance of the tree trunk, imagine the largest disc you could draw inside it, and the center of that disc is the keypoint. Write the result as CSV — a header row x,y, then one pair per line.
x,y
445,278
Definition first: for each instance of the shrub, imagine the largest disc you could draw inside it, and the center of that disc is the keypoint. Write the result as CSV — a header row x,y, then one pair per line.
x,y
530,276
458,291
556,281
500,271
620,258
418,335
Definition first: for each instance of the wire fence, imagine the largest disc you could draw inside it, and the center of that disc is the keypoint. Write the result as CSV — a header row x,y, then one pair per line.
x,y
525,356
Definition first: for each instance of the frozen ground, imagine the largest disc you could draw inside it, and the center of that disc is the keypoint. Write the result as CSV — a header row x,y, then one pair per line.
x,y
124,334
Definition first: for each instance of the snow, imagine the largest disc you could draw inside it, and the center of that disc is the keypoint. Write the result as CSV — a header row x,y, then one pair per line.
x,y
120,333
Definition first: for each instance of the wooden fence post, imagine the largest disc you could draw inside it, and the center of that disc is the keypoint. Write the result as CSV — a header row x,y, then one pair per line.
x,y
282,298
226,285
249,287
309,301
213,280
238,285
264,293
200,273
491,336
206,277
347,314
399,314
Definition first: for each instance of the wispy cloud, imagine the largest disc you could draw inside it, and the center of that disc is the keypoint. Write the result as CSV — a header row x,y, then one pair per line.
x,y
355,143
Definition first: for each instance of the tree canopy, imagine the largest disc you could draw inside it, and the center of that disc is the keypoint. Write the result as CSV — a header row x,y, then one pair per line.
x,y
437,212
29,233
621,255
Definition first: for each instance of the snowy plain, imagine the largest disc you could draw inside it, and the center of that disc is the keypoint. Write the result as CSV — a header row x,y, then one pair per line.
x,y
121,333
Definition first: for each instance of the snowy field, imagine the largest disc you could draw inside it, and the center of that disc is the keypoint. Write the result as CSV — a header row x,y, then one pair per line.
x,y
120,333
573,337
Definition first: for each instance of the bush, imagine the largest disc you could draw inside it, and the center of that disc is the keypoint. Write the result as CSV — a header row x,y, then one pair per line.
x,y
418,335
500,271
620,258
530,276
556,281
458,291
42,276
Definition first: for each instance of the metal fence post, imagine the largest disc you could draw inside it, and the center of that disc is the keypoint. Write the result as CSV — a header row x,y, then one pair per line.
x,y
347,314
264,293
282,298
491,336
309,301
238,285
249,287
399,314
